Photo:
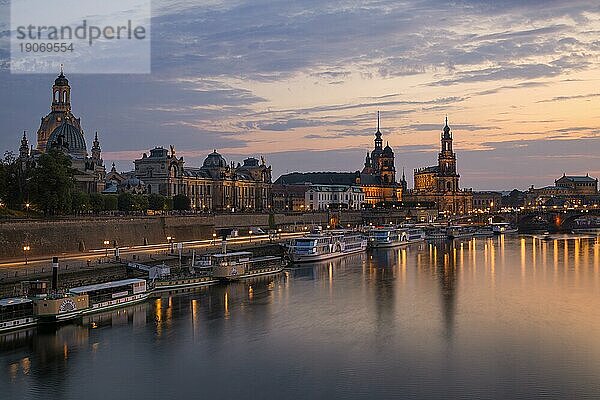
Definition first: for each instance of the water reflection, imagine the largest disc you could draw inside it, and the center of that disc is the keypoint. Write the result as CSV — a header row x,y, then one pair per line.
x,y
437,309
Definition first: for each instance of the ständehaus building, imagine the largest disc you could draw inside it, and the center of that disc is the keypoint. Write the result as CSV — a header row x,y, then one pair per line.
x,y
439,184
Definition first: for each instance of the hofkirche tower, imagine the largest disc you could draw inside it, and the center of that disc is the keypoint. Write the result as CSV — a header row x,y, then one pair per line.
x,y
60,112
439,183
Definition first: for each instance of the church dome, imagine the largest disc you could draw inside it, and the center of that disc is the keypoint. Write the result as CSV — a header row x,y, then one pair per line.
x,y
61,80
215,160
388,150
71,135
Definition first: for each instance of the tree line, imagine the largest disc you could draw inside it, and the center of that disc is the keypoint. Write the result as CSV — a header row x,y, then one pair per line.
x,y
49,187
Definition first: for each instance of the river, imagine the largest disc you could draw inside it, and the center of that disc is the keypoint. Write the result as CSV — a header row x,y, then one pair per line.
x,y
503,317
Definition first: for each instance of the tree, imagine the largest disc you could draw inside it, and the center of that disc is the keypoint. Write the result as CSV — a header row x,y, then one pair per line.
x,y
126,202
52,183
80,201
111,203
96,202
156,202
141,202
14,181
181,202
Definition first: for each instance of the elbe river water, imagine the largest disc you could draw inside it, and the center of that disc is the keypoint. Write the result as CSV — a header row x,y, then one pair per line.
x,y
502,317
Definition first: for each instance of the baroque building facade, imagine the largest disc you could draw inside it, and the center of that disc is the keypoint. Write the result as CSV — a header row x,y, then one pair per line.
x,y
377,179
61,130
378,176
216,186
439,184
574,189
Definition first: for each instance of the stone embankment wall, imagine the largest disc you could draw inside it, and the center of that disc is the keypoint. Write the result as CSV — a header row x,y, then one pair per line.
x,y
56,237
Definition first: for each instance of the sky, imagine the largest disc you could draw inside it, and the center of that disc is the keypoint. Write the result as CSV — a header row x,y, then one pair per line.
x,y
301,82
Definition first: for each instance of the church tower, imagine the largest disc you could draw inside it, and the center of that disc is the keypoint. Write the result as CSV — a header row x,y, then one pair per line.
x,y
387,169
61,93
60,112
378,140
24,149
448,178
97,152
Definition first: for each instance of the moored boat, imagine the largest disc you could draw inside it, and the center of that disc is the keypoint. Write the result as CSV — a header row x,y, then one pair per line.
x,y
241,264
16,313
415,235
484,231
502,228
436,234
384,237
109,295
458,232
57,307
326,245
181,282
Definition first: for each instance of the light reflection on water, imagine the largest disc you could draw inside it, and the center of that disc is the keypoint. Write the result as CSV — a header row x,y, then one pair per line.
x,y
502,317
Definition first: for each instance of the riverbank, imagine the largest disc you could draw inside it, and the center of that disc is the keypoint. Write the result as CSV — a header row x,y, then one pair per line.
x,y
80,274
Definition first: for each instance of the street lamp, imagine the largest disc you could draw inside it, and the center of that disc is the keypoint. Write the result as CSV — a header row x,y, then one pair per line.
x,y
26,248
170,240
214,238
106,244
250,232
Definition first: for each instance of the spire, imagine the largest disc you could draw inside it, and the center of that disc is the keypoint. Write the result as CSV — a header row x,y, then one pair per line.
x,y
62,69
446,131
24,149
378,141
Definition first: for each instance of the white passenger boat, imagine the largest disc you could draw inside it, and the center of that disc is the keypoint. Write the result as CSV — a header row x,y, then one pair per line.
x,y
326,245
436,234
16,313
415,235
502,228
458,232
484,231
109,295
382,237
241,264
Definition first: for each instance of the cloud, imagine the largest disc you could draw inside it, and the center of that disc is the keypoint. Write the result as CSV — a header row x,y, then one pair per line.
x,y
438,127
572,97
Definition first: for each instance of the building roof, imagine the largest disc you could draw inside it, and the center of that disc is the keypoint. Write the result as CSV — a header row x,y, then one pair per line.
x,y
426,170
318,178
576,178
61,80
335,188
14,301
214,160
71,135
105,285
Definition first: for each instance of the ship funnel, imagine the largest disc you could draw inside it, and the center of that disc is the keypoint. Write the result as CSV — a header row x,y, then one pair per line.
x,y
54,274
224,246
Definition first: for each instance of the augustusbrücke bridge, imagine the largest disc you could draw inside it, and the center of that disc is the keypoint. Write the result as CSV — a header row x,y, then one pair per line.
x,y
548,219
